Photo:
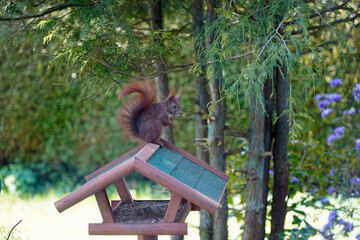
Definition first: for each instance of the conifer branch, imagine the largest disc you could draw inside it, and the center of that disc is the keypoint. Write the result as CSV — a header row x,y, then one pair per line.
x,y
46,12
330,24
283,40
274,33
176,68
332,41
319,13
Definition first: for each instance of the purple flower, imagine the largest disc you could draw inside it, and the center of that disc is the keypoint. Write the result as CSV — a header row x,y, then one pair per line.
x,y
330,189
357,193
323,104
294,179
348,227
333,97
357,146
331,138
319,97
356,92
339,131
352,181
333,216
349,112
326,112
335,82
358,237
324,201
331,173
271,172
326,227
313,190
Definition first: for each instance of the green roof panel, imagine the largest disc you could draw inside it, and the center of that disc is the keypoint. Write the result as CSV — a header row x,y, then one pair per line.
x,y
165,159
188,172
210,185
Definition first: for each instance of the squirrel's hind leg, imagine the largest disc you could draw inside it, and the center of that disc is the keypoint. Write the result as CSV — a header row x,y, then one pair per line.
x,y
151,132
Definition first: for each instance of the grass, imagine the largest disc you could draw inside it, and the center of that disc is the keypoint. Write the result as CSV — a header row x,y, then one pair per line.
x,y
41,221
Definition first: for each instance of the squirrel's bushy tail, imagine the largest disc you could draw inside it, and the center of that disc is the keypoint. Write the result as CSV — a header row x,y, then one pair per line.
x,y
133,106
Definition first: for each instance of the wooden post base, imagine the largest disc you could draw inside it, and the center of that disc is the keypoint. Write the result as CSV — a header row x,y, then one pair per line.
x,y
141,237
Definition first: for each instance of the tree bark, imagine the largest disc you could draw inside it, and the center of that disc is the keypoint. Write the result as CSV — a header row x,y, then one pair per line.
x,y
216,132
161,82
254,227
202,99
280,153
216,154
269,111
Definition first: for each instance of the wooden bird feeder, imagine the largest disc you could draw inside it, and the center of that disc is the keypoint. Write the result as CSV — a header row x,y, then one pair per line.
x,y
193,185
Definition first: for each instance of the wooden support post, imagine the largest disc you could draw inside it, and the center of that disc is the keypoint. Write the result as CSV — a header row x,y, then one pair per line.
x,y
185,212
123,190
176,186
104,206
173,208
141,237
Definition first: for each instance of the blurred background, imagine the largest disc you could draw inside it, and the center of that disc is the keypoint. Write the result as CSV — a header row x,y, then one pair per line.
x,y
59,107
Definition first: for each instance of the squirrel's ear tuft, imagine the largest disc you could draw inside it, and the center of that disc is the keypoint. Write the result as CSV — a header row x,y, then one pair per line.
x,y
170,98
178,95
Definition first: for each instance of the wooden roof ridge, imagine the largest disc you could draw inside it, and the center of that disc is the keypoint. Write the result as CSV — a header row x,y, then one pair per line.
x,y
136,160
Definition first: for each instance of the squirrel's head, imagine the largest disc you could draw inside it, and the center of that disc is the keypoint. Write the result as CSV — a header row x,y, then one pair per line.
x,y
173,103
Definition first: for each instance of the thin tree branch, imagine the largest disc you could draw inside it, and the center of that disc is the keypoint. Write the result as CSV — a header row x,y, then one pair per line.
x,y
319,13
332,41
274,33
176,68
236,134
283,40
348,19
46,12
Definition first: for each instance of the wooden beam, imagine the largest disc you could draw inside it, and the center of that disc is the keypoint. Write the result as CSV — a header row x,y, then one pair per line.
x,y
173,208
123,190
146,152
145,229
104,206
95,185
114,203
185,212
176,186
114,162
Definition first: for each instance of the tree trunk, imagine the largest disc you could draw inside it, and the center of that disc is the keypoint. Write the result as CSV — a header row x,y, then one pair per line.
x,y
202,99
161,81
269,110
216,132
216,154
280,153
254,227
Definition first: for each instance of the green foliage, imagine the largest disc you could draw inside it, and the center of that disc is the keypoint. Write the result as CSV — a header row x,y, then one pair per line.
x,y
60,72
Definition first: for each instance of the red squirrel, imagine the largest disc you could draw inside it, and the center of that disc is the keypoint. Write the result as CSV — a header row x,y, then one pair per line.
x,y
141,117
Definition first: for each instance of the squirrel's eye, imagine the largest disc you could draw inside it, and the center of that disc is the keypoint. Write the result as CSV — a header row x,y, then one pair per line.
x,y
174,106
